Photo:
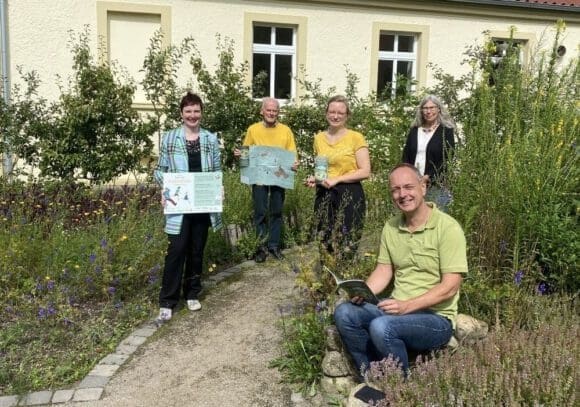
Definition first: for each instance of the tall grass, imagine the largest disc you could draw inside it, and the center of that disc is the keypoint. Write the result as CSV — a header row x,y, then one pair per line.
x,y
516,177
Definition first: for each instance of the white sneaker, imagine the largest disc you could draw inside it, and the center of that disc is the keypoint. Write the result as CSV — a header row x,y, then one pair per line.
x,y
193,305
164,314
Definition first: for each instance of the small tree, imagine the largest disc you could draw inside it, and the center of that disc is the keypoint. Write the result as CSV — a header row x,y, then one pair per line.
x,y
22,121
161,67
230,108
95,133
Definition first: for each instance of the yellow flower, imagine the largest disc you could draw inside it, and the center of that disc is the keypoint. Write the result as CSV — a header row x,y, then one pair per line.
x,y
124,237
47,278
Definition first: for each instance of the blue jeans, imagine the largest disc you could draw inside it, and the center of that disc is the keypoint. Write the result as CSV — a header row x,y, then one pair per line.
x,y
268,205
440,195
371,335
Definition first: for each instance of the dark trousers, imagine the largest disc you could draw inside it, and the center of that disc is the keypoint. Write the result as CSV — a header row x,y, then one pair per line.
x,y
268,205
340,211
184,253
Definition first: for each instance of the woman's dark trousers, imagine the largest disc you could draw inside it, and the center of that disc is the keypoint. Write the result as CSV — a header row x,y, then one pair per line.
x,y
184,260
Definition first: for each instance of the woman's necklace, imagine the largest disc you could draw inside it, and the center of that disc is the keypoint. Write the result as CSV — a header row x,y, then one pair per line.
x,y
431,128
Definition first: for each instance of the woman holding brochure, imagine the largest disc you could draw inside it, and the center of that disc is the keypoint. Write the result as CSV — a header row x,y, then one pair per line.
x,y
188,148
342,161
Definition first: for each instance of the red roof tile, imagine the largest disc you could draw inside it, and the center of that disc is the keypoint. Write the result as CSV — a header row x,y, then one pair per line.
x,y
571,3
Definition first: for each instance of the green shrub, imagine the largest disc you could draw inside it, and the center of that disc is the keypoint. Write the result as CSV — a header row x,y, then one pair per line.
x,y
94,133
80,269
512,366
229,107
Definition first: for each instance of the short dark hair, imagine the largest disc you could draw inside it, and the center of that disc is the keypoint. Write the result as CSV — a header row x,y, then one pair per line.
x,y
190,99
409,166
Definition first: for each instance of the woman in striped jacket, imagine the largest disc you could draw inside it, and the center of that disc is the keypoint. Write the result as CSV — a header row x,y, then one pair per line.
x,y
188,148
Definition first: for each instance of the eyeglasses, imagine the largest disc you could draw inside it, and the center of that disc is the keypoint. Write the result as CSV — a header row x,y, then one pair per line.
x,y
427,108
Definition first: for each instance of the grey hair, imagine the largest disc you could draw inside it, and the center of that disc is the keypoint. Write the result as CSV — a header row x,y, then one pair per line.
x,y
266,100
444,118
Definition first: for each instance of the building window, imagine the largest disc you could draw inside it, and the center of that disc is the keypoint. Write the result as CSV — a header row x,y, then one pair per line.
x,y
125,30
503,45
273,61
397,63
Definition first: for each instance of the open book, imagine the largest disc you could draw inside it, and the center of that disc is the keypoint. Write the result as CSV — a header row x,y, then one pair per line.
x,y
354,288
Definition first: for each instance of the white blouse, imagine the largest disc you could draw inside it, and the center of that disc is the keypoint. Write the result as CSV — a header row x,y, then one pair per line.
x,y
423,137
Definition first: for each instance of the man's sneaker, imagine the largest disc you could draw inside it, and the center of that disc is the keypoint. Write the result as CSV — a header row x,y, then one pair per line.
x,y
260,256
277,254
193,305
164,314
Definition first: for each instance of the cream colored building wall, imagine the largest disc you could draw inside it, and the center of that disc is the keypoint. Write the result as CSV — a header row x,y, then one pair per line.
x,y
38,37
336,35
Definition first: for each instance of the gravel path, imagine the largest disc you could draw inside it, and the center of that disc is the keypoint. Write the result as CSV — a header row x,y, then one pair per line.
x,y
218,356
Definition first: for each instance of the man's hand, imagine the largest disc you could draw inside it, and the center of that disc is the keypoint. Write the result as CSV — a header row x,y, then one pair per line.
x,y
237,152
295,166
357,300
393,307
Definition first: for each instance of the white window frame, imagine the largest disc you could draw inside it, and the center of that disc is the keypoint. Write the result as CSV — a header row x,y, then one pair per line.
x,y
397,56
421,50
273,49
300,25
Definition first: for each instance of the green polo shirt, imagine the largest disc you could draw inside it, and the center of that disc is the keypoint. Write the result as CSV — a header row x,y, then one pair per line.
x,y
420,257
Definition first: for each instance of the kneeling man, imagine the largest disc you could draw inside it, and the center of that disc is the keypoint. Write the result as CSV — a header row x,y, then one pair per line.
x,y
423,250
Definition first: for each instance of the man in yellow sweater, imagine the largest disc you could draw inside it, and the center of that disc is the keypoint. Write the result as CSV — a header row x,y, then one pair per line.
x,y
269,199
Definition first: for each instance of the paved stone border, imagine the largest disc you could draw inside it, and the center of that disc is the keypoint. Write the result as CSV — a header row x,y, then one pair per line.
x,y
92,387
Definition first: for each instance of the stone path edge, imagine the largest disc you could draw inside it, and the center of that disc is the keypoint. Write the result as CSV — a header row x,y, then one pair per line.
x,y
92,387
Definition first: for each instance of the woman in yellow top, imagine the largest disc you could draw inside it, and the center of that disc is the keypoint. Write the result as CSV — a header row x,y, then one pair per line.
x,y
340,200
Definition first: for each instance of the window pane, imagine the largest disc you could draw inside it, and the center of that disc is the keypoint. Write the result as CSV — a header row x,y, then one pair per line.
x,y
387,42
405,68
385,77
282,86
283,36
406,43
261,75
262,34
404,76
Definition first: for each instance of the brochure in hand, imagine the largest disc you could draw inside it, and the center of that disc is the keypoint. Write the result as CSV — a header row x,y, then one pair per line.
x,y
354,288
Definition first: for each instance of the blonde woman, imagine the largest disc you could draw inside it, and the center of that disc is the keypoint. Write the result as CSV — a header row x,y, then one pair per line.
x,y
340,200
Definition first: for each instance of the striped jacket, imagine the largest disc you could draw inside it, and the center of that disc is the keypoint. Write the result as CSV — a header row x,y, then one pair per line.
x,y
173,158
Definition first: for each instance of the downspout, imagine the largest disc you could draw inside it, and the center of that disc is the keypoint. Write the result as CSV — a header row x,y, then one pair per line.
x,y
7,156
